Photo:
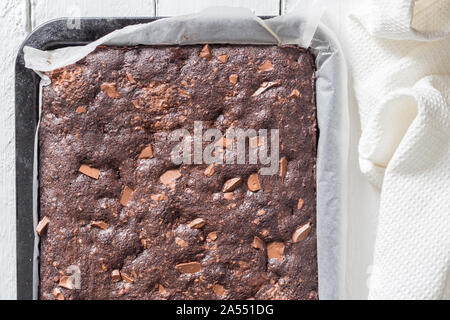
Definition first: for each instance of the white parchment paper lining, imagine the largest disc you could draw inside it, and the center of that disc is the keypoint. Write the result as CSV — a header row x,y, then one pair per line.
x,y
240,26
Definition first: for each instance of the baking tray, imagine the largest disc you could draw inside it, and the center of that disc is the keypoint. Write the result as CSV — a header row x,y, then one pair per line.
x,y
330,181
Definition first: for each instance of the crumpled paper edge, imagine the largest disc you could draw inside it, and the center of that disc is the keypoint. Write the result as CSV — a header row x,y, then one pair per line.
x,y
208,26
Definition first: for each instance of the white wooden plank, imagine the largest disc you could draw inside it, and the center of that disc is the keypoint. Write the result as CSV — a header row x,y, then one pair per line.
x,y
13,21
44,10
337,12
286,5
178,7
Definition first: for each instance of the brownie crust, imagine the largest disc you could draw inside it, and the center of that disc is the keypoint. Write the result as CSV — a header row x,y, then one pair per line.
x,y
137,226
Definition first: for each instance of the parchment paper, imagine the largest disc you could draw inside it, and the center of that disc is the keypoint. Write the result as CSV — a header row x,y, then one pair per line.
x,y
241,26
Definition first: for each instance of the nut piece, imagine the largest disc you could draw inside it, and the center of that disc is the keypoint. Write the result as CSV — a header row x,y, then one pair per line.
x,y
223,58
67,282
283,168
231,184
266,86
110,89
126,278
275,250
253,182
115,275
90,172
266,66
168,178
100,224
209,171
206,52
147,152
80,110
233,78
300,203
42,225
197,223
218,289
126,195
258,243
58,294
301,233
189,267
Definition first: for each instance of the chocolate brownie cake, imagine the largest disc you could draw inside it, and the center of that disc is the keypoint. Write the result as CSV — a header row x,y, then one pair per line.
x,y
121,220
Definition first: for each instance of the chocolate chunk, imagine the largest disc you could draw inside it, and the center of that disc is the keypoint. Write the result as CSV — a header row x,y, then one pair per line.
x,y
275,250
209,171
91,172
110,89
131,78
58,294
100,224
80,110
212,236
301,233
169,177
206,52
67,282
115,276
253,182
127,193
233,78
223,58
294,94
300,203
219,289
231,184
258,243
283,168
197,223
42,225
266,66
126,277
189,267
159,197
147,152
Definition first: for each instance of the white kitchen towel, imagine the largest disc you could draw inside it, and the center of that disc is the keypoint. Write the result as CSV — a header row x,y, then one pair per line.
x,y
399,57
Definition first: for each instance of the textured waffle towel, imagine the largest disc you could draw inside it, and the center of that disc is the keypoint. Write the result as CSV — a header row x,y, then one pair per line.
x,y
400,64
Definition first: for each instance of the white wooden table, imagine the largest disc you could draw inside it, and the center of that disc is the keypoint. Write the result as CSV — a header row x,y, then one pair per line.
x,y
19,17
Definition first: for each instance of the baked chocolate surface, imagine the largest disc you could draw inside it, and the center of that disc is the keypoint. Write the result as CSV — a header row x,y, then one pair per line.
x,y
132,229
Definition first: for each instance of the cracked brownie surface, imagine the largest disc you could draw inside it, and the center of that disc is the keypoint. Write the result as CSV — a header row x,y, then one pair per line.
x,y
117,211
